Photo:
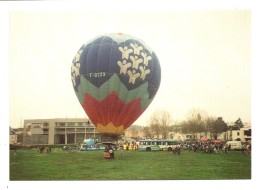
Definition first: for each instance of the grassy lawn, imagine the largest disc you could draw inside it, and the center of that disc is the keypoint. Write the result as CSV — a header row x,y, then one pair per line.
x,y
134,165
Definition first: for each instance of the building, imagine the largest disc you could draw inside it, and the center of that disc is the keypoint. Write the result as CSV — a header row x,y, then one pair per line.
x,y
58,131
12,136
244,134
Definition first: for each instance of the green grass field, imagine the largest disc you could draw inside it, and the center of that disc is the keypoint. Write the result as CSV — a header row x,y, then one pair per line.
x,y
134,165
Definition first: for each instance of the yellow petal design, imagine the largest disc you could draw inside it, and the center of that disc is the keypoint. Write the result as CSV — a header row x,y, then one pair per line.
x,y
110,128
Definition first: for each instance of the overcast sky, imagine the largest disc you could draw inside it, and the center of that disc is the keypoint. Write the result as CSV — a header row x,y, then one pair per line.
x,y
204,56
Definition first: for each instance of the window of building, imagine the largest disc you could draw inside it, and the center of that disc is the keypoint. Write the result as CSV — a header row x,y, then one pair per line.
x,y
248,133
70,130
238,133
61,124
60,130
89,130
80,130
71,124
45,130
81,124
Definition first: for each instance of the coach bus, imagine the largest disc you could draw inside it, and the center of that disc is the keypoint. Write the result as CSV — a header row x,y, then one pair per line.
x,y
155,144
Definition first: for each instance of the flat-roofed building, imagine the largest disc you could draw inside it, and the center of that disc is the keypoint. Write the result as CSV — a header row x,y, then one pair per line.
x,y
58,131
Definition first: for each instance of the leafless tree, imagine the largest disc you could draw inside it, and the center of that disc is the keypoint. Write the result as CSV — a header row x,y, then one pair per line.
x,y
159,123
196,121
209,123
147,132
133,131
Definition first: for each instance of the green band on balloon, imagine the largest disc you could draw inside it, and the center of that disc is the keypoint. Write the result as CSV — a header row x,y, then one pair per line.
x,y
113,85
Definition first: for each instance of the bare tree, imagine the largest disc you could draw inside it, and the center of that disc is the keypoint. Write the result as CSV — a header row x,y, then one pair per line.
x,y
209,125
160,122
133,131
154,125
185,128
147,132
196,121
165,123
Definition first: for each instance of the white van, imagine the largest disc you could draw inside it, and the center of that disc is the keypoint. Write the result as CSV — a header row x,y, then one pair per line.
x,y
234,145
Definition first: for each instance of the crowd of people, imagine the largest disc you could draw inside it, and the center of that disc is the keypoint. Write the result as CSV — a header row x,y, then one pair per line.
x,y
209,147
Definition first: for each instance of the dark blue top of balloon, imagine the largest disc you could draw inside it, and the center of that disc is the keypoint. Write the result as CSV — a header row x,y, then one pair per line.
x,y
126,56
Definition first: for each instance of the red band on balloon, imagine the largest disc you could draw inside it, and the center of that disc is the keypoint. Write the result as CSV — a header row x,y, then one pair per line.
x,y
112,110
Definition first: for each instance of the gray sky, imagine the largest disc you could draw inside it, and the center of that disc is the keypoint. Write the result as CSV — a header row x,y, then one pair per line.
x,y
204,56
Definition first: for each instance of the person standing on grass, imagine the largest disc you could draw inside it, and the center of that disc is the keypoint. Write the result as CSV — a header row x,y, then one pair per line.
x,y
111,152
121,150
174,148
245,149
15,150
178,149
225,148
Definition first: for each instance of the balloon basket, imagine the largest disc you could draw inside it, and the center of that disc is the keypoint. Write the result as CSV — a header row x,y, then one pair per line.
x,y
108,155
110,141
109,151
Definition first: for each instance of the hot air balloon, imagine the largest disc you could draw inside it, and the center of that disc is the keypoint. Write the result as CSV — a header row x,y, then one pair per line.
x,y
115,77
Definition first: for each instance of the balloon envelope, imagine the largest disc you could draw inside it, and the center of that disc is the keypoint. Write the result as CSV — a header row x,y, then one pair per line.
x,y
115,78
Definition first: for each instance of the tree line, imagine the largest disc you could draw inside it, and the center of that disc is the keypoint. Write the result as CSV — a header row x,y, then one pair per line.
x,y
197,121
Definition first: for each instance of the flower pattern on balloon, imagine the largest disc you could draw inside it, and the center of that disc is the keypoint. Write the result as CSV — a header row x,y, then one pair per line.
x,y
75,66
134,62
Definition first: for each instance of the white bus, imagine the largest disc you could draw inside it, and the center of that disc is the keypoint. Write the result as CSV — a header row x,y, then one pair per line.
x,y
154,144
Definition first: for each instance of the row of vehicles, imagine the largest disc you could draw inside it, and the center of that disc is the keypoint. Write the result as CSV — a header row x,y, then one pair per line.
x,y
142,145
167,144
148,145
